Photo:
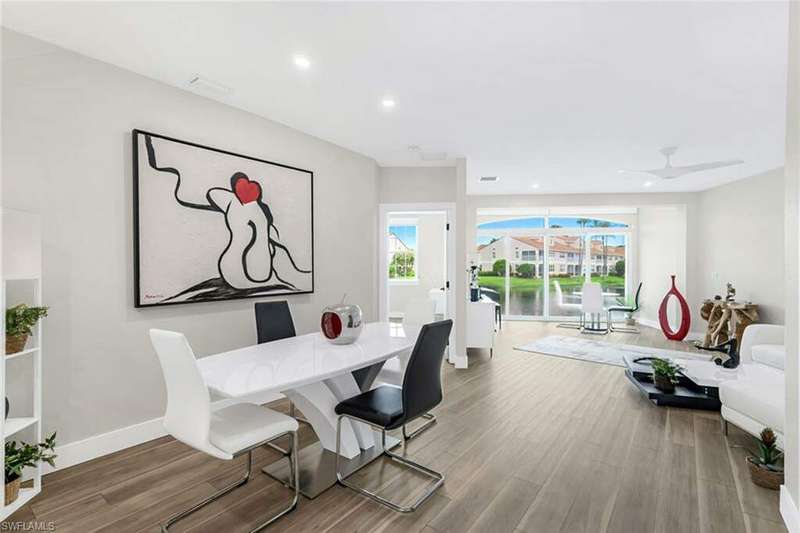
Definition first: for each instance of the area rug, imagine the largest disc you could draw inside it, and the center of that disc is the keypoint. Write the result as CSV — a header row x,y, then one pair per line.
x,y
607,353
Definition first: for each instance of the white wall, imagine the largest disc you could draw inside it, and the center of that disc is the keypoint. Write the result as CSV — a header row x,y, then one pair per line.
x,y
661,253
790,493
67,155
741,234
431,263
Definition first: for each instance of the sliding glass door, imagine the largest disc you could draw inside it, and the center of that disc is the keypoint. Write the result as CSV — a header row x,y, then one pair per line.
x,y
535,266
608,266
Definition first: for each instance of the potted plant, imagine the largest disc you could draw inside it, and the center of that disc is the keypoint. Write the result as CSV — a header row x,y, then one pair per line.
x,y
20,320
765,468
19,457
665,374
631,303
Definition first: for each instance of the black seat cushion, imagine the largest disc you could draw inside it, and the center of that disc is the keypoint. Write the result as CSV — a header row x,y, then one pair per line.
x,y
382,406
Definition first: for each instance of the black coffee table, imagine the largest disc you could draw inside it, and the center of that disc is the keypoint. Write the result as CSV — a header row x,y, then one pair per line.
x,y
687,393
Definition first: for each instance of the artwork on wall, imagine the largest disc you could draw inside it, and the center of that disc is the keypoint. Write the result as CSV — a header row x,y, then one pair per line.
x,y
213,225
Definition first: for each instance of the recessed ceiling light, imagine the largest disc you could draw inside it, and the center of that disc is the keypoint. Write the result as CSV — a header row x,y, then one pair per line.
x,y
388,103
488,178
302,62
648,183
414,148
535,186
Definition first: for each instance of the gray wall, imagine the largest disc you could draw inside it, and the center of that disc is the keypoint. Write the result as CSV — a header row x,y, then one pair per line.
x,y
741,240
417,184
66,147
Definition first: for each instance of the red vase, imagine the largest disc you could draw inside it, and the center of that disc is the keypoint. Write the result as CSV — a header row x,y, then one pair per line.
x,y
686,316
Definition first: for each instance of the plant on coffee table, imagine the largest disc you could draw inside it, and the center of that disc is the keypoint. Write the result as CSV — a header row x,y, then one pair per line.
x,y
766,469
665,374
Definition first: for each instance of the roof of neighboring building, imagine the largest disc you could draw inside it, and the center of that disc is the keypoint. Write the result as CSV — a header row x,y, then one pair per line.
x,y
400,241
565,243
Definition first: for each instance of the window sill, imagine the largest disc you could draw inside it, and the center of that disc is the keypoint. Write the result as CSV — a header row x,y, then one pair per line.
x,y
404,282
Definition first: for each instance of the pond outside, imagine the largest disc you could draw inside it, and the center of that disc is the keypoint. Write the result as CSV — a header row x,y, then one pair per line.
x,y
527,294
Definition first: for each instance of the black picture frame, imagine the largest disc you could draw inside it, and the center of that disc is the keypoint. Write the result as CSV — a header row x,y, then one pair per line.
x,y
135,136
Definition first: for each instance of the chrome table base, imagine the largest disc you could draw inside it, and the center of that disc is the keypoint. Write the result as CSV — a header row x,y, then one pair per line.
x,y
318,466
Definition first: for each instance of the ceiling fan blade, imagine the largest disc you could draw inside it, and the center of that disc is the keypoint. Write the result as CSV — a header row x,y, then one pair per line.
x,y
675,172
653,172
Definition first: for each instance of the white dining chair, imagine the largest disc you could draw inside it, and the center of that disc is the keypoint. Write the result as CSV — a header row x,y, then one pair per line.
x,y
592,305
225,433
562,305
417,312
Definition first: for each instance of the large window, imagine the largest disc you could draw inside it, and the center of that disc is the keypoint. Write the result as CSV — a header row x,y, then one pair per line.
x,y
535,266
402,251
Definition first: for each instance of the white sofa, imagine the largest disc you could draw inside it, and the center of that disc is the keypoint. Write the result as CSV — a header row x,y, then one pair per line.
x,y
755,399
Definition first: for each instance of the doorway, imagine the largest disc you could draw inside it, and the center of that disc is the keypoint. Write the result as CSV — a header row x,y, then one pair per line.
x,y
416,268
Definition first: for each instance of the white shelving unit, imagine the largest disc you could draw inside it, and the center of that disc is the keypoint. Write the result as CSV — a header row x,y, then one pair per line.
x,y
22,265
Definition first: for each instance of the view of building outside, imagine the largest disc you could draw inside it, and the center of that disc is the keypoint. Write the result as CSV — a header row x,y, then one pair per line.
x,y
516,263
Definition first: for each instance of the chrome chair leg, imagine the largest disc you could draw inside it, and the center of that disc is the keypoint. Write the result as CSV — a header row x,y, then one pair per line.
x,y
293,414
612,329
431,421
438,477
295,477
293,464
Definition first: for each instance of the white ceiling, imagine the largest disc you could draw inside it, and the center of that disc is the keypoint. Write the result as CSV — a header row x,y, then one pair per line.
x,y
556,94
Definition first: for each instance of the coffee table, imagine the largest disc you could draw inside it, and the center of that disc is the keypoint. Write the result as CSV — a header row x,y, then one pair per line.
x,y
697,388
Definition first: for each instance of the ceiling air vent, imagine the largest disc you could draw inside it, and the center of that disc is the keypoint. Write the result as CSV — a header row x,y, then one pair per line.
x,y
486,179
433,156
209,87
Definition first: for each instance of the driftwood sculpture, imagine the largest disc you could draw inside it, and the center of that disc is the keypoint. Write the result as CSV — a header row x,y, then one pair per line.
x,y
726,319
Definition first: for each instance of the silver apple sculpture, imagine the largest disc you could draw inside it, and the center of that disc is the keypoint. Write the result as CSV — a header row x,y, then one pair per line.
x,y
342,323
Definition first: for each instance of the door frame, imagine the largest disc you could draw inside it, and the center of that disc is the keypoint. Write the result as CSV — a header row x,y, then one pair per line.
x,y
382,277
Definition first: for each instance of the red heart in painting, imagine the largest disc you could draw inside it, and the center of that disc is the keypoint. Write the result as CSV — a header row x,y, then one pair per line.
x,y
247,191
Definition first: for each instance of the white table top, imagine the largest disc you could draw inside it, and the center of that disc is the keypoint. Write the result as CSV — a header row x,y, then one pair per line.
x,y
296,361
706,373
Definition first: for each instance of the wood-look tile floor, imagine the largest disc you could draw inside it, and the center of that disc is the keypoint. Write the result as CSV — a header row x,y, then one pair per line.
x,y
528,443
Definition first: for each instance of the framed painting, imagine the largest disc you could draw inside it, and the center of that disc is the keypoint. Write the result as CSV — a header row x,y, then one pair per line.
x,y
213,225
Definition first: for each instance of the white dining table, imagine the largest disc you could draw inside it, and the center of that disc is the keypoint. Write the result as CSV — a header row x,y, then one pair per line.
x,y
315,375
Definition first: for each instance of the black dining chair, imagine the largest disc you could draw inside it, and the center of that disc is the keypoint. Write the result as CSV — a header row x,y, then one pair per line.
x,y
274,322
387,407
624,309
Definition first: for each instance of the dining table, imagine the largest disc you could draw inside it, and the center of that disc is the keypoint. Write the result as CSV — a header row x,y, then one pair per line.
x,y
315,375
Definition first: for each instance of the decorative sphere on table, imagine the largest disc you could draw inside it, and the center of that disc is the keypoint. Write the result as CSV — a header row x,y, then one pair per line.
x,y
342,323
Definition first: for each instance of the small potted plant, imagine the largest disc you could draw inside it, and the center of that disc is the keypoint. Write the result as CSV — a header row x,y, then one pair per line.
x,y
20,320
765,467
19,457
665,375
631,303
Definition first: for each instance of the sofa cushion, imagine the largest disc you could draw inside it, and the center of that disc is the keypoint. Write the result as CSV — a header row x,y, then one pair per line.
x,y
769,354
758,393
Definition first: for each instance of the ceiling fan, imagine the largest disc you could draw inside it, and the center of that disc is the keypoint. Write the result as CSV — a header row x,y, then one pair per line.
x,y
669,172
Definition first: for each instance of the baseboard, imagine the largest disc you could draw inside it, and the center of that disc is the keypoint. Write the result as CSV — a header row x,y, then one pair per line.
x,y
789,512
691,336
78,452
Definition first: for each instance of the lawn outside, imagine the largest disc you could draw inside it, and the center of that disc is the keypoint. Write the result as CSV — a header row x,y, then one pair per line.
x,y
499,282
